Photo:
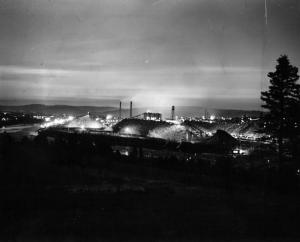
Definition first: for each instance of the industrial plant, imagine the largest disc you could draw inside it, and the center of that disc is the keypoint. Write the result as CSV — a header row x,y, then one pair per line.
x,y
126,130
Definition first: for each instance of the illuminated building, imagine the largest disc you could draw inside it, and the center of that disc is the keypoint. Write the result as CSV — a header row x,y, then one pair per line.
x,y
152,116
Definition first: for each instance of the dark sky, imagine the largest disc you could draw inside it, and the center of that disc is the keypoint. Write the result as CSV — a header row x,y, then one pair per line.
x,y
154,52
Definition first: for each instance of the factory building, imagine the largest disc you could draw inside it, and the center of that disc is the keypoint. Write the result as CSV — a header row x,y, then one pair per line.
x,y
152,116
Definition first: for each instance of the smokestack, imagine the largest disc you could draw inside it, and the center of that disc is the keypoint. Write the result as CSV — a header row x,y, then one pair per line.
x,y
130,109
206,114
120,110
173,113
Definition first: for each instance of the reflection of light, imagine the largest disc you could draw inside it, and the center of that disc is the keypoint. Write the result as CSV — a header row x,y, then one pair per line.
x,y
70,118
82,127
108,116
212,117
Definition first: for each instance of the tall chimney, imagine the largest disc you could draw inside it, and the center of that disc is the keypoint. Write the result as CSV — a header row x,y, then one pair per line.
x,y
173,113
120,110
130,109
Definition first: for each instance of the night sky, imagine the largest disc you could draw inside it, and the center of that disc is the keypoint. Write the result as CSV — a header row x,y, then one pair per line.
x,y
153,52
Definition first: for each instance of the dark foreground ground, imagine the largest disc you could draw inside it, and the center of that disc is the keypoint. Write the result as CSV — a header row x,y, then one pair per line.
x,y
43,198
162,212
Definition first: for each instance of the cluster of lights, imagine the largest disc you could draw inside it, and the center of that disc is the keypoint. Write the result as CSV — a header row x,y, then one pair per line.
x,y
189,158
245,136
38,117
108,121
241,152
56,122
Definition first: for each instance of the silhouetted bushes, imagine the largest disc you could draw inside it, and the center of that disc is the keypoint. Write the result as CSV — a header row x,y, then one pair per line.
x,y
64,161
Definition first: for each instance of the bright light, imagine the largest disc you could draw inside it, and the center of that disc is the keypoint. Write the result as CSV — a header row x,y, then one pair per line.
x,y
212,117
109,116
127,130
82,127
241,152
94,125
58,121
55,122
173,121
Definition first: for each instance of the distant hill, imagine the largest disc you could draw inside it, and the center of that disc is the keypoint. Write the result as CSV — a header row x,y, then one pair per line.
x,y
58,109
184,111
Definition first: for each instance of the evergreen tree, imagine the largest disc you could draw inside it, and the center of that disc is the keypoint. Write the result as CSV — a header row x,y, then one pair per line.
x,y
282,102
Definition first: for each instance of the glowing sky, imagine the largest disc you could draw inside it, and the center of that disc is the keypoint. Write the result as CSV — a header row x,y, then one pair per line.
x,y
154,52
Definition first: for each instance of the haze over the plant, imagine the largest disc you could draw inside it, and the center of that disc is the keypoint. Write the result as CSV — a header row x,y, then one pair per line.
x,y
213,53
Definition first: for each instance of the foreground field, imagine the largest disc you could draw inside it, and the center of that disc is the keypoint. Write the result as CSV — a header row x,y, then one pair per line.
x,y
126,209
47,195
